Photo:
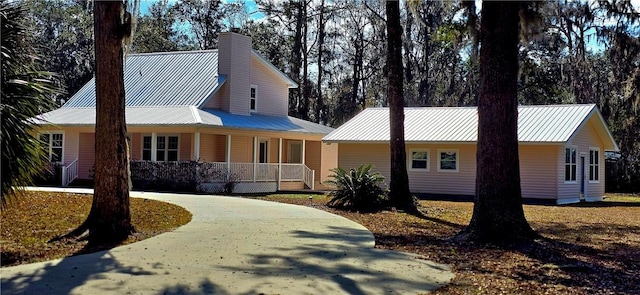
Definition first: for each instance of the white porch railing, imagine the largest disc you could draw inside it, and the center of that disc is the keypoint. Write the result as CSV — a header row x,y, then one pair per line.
x,y
69,173
244,172
309,177
185,173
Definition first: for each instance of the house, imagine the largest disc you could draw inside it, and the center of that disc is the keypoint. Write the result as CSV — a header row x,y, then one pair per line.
x,y
561,149
226,107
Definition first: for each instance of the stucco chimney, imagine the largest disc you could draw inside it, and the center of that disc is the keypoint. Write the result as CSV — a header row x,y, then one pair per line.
x,y
234,61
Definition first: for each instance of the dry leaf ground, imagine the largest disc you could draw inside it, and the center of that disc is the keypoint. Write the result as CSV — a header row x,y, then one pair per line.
x,y
589,248
36,217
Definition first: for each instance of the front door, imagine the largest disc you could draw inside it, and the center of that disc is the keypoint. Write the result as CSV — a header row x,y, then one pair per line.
x,y
295,152
263,151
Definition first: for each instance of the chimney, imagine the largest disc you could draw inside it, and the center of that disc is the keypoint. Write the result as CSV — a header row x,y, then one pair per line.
x,y
234,61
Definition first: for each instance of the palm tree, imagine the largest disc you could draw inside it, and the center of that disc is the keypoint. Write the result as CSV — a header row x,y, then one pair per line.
x,y
26,92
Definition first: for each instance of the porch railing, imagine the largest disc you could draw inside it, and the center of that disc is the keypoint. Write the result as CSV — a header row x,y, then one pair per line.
x,y
69,173
309,177
186,174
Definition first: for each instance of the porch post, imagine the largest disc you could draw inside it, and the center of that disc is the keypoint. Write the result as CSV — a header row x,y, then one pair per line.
x,y
154,146
196,146
279,161
303,150
255,157
227,156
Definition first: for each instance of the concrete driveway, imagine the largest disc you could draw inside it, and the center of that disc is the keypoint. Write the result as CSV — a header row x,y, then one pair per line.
x,y
237,246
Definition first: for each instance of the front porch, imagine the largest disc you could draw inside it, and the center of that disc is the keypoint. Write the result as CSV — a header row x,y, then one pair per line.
x,y
205,160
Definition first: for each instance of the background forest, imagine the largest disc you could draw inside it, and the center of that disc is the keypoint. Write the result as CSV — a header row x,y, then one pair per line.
x,y
570,52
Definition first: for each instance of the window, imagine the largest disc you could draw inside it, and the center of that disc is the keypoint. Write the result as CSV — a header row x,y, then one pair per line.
x,y
166,148
52,144
594,165
295,152
253,101
419,160
570,164
448,160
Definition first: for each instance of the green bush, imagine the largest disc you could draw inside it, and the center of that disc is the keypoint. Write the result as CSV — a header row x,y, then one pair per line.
x,y
357,189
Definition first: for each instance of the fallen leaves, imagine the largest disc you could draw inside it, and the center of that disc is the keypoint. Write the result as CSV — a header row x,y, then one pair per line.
x,y
591,248
36,217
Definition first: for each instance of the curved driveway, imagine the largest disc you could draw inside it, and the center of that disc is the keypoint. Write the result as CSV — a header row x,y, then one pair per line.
x,y
237,246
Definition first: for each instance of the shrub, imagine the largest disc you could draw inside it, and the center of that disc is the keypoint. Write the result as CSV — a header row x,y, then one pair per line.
x,y
357,189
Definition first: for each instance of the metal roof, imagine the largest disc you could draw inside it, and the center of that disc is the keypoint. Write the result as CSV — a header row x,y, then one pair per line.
x,y
162,79
184,116
536,124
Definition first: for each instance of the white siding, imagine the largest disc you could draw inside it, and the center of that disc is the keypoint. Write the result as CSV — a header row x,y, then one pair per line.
x,y
586,138
538,171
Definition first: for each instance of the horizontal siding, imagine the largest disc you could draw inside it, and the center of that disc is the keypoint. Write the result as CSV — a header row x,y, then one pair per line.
x,y
585,139
71,146
207,148
354,155
538,167
185,148
329,156
433,181
86,157
313,157
241,149
273,93
136,146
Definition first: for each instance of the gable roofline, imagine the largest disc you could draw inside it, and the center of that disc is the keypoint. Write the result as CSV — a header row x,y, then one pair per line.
x,y
601,130
222,78
537,124
290,83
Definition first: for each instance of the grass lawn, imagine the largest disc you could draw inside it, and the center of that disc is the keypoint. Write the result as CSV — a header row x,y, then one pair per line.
x,y
35,218
589,248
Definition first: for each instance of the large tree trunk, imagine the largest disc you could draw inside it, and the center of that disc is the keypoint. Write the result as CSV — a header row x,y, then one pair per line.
x,y
110,218
497,212
399,183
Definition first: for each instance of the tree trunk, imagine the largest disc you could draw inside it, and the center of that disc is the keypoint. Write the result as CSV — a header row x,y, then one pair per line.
x,y
110,218
319,111
497,213
399,183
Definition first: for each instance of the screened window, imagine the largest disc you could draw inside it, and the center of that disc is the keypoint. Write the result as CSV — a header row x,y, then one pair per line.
x,y
594,165
448,160
253,98
166,148
52,144
570,164
420,160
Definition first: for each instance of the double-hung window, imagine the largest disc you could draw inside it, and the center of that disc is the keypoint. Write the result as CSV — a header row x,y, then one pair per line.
x,y
594,165
419,160
570,164
53,146
253,99
448,160
166,148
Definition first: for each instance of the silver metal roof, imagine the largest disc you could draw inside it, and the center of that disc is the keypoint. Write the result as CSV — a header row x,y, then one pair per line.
x,y
162,79
184,116
536,124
